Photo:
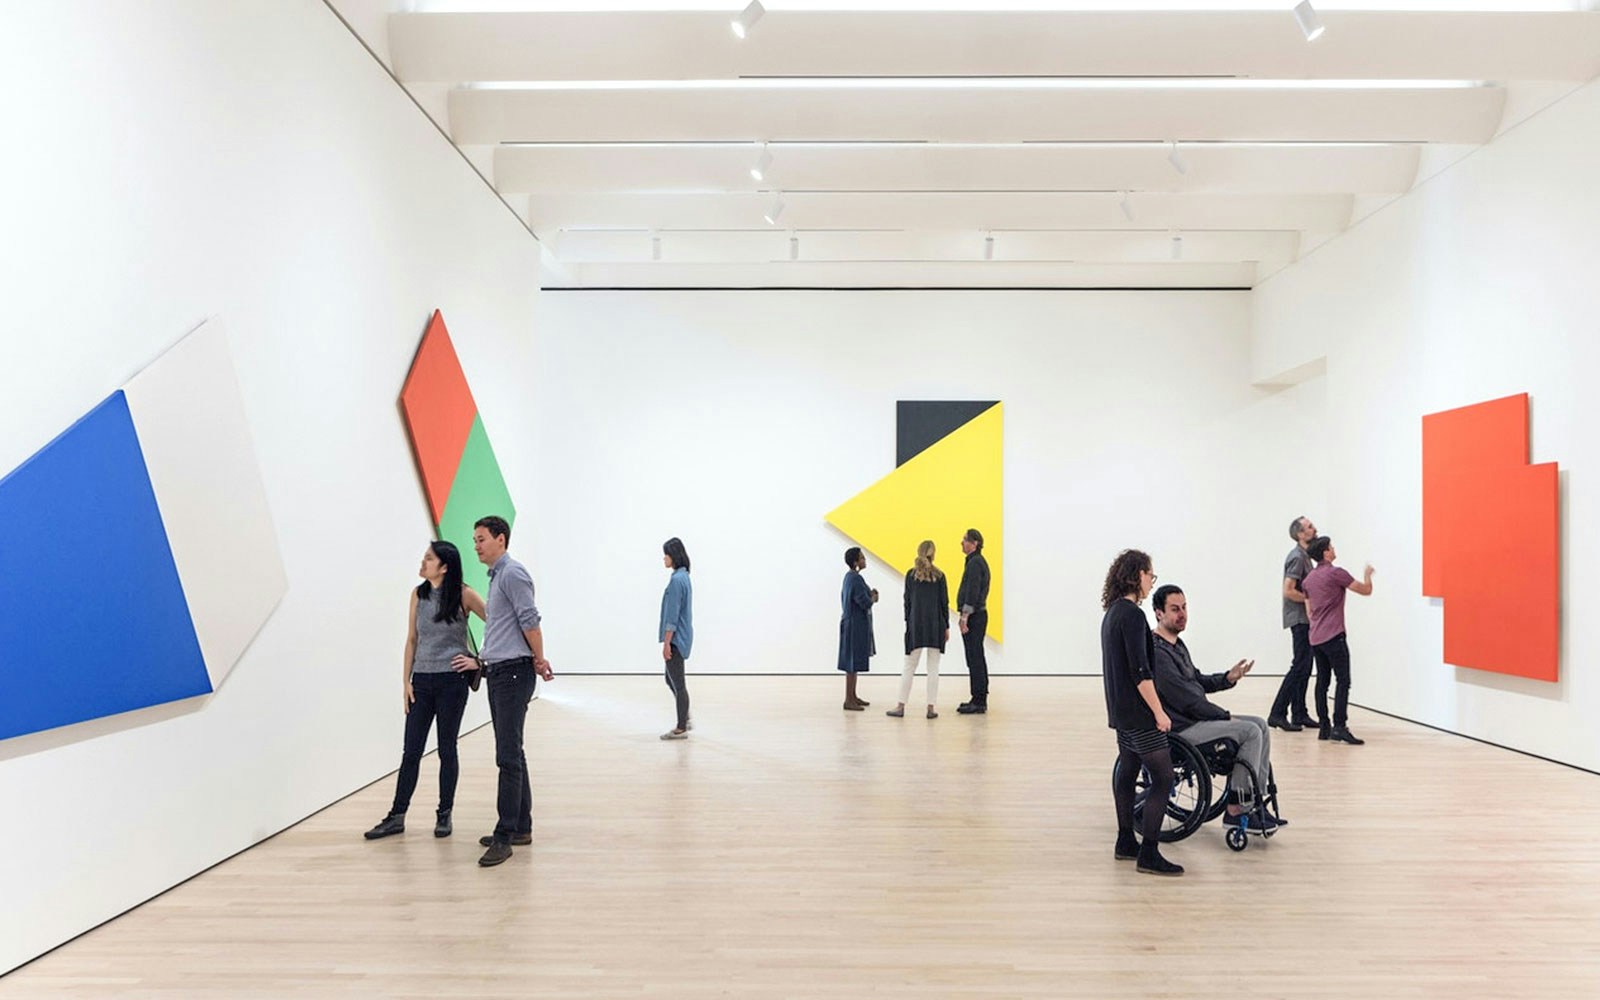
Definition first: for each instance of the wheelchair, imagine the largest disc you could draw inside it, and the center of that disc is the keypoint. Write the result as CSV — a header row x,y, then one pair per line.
x,y
1191,803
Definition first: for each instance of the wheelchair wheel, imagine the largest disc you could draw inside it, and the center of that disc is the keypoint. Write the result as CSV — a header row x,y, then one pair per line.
x,y
1190,798
1236,838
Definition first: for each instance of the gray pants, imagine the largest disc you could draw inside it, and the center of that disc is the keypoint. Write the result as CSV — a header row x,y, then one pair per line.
x,y
1255,747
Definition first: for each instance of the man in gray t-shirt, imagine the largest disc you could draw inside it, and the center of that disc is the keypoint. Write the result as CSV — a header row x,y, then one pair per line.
x,y
1292,692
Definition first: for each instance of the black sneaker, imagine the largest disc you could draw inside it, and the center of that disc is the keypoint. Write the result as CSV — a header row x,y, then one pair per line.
x,y
1343,735
1257,823
496,854
1285,725
1127,847
441,825
1155,864
520,840
388,827
1325,733
972,708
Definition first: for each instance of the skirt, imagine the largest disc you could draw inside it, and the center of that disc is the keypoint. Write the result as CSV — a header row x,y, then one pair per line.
x,y
1141,741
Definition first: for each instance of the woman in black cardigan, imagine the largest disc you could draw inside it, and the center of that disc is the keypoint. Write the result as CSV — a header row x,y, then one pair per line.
x,y
927,626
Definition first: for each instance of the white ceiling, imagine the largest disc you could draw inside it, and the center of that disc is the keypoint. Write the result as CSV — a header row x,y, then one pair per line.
x,y
901,139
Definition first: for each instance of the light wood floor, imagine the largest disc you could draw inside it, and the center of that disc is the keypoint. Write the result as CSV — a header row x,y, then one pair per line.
x,y
793,850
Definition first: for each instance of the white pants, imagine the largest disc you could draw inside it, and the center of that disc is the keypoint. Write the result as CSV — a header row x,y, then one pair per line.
x,y
910,671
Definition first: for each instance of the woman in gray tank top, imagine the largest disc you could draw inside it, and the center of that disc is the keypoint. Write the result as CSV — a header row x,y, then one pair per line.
x,y
433,689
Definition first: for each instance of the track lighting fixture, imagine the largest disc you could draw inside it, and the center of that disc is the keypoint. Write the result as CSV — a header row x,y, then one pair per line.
x,y
1177,246
1305,15
773,212
794,247
763,164
747,19
1176,159
988,246
655,246
1126,206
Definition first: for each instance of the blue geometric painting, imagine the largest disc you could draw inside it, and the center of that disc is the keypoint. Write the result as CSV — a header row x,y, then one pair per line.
x,y
95,621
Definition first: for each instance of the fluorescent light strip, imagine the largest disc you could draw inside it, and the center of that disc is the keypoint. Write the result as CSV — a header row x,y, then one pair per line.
x,y
921,144
975,83
726,7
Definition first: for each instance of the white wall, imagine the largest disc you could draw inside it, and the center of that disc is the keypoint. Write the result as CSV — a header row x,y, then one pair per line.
x,y
738,419
1479,284
177,160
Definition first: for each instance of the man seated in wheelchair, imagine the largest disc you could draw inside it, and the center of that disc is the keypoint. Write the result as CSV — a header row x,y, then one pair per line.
x,y
1183,691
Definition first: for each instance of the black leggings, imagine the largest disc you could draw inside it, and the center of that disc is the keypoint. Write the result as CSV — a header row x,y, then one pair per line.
x,y
1159,764
680,690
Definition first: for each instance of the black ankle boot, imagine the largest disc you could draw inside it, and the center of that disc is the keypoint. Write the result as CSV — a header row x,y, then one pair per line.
x,y
1152,863
1127,846
441,826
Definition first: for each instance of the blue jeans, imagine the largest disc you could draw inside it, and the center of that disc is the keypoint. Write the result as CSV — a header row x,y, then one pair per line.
x,y
510,689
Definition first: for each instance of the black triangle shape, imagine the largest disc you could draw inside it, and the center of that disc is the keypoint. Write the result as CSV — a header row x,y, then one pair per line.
x,y
919,425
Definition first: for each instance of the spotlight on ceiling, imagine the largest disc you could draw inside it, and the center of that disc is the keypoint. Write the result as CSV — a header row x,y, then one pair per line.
x,y
988,246
763,164
1177,246
776,209
655,246
747,19
1126,206
794,247
1176,159
1305,15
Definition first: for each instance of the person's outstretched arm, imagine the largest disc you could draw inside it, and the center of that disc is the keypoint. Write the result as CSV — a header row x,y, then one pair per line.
x,y
1364,585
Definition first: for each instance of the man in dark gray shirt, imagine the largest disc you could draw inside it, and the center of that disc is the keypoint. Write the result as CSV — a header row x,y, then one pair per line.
x,y
513,660
1292,692
972,597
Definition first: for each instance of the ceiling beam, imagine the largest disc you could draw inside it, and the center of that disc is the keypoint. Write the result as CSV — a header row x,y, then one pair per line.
x,y
1264,169
987,114
612,45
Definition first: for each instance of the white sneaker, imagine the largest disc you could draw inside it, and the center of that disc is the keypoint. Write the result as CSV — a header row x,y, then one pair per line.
x,y
673,734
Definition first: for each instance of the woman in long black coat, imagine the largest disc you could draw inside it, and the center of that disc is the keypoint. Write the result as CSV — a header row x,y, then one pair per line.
x,y
855,627
927,626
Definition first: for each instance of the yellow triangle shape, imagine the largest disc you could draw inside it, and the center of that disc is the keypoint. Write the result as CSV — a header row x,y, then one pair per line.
x,y
954,485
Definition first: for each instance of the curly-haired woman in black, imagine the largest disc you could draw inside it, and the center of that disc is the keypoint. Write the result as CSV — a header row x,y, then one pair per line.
x,y
1134,710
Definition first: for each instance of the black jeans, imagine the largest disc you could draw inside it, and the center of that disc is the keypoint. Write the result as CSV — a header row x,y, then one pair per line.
x,y
441,697
674,675
510,689
1333,657
1291,700
977,665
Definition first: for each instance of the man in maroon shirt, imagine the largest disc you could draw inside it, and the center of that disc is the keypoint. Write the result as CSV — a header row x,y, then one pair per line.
x,y
1325,588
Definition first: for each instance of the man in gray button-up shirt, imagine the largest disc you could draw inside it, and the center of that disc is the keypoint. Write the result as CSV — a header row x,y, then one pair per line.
x,y
513,659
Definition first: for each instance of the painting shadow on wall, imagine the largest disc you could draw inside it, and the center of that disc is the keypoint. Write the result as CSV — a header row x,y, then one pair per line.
x,y
78,732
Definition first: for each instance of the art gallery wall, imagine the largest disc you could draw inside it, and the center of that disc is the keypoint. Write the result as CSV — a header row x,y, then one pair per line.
x,y
251,162
1479,284
737,420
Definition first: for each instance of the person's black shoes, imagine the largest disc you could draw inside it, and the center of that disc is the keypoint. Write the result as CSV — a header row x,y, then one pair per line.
x,y
520,840
1308,723
1343,735
1285,725
496,854
972,708
1155,864
1325,733
441,825
1127,847
388,827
